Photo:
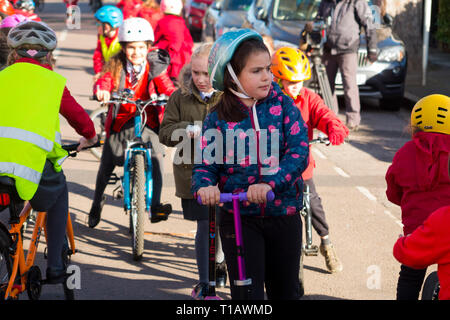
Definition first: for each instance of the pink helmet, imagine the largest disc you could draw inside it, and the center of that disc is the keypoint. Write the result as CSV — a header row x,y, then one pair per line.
x,y
13,20
172,6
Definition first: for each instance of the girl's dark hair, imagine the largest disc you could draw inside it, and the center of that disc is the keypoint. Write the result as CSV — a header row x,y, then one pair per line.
x,y
228,106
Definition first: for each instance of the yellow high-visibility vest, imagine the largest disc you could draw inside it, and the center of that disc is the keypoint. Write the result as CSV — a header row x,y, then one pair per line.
x,y
29,124
112,50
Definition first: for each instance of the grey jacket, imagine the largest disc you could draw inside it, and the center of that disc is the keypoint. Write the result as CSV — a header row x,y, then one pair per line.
x,y
347,18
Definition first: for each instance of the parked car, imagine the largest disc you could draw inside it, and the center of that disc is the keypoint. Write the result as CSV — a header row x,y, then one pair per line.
x,y
223,16
384,79
195,18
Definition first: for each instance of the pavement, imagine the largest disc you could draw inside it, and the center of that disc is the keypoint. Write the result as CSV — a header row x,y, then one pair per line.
x,y
437,79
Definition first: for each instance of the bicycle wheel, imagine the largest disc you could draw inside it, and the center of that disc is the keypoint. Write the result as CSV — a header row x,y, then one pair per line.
x,y
431,287
98,116
138,206
5,262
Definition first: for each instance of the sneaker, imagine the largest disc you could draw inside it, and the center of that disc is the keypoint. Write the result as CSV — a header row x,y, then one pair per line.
x,y
353,128
331,259
95,213
221,274
160,213
200,291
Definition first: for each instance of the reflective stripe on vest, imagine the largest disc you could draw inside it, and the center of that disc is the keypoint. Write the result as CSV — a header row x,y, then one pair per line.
x,y
112,50
29,124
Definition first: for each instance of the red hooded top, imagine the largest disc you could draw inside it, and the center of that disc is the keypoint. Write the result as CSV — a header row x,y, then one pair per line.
x,y
317,115
418,180
130,8
151,15
172,35
143,90
429,244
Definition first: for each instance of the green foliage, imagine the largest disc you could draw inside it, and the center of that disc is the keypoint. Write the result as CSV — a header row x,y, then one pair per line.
x,y
443,22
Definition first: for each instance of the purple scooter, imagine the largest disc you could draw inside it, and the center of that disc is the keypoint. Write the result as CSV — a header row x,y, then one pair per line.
x,y
242,283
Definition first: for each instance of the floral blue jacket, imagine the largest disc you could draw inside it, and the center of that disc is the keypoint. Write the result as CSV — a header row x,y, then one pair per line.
x,y
229,152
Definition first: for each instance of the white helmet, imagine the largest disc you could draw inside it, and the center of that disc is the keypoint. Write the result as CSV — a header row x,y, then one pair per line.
x,y
32,32
136,29
172,6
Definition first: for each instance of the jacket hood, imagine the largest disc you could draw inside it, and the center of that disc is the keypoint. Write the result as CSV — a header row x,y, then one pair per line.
x,y
432,153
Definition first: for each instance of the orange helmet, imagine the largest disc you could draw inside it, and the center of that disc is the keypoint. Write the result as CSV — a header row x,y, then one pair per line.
x,y
290,64
6,7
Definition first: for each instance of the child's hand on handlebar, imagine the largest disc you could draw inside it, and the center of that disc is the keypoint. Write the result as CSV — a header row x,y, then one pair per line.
x,y
103,95
84,143
257,193
210,195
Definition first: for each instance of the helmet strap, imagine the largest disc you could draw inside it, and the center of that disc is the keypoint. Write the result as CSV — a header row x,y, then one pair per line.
x,y
243,95
31,53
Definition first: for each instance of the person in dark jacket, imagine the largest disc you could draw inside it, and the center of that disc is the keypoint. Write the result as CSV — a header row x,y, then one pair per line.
x,y
341,48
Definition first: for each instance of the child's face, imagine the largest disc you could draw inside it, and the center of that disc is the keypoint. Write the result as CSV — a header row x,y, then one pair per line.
x,y
199,66
108,31
256,76
136,52
292,88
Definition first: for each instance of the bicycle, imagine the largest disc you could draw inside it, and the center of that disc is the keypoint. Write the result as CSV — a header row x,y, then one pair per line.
x,y
136,186
17,272
431,287
308,249
242,283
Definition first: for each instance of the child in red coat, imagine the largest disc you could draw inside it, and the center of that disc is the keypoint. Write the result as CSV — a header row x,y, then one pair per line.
x,y
429,244
131,69
291,67
171,34
110,18
417,179
130,8
151,12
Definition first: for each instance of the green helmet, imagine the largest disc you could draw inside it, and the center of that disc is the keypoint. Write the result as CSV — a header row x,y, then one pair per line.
x,y
222,52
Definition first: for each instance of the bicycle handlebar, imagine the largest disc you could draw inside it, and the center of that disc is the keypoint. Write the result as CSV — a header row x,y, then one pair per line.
x,y
242,196
323,140
72,148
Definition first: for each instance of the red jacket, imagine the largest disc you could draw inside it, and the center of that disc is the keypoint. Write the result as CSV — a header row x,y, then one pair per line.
x,y
31,15
143,89
98,59
429,244
151,15
316,115
417,179
70,109
172,35
130,8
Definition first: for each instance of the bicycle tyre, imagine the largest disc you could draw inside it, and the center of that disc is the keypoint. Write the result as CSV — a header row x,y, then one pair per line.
x,y
431,287
300,275
138,206
5,262
98,116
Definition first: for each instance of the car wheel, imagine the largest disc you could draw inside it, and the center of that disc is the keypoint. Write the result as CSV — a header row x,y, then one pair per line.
x,y
391,104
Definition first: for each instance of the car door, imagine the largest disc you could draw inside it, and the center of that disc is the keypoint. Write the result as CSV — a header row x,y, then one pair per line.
x,y
258,14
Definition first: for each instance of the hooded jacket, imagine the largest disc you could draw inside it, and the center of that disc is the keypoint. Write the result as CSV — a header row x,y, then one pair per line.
x,y
418,180
282,148
429,244
185,107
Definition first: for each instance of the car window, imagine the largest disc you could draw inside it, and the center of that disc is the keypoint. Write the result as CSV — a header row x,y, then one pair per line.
x,y
295,9
237,4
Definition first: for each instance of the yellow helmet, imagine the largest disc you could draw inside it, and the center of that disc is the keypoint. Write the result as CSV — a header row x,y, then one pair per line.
x,y
432,114
290,64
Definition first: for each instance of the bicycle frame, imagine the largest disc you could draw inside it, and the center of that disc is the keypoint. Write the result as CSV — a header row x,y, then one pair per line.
x,y
22,264
134,147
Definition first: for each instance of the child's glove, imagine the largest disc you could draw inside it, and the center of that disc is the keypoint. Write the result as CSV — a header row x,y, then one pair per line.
x,y
336,135
193,131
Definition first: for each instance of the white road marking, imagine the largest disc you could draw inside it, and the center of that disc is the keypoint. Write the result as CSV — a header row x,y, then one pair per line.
x,y
367,193
341,172
389,214
319,154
